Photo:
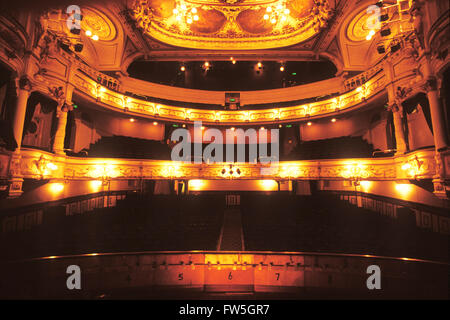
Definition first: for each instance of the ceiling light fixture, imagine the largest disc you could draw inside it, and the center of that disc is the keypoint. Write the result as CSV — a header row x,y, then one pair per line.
x,y
185,12
277,13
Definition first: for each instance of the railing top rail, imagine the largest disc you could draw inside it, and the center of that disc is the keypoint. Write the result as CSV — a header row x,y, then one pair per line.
x,y
239,253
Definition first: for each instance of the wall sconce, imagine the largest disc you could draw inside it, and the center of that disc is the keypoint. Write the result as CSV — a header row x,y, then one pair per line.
x,y
171,172
125,101
307,111
362,91
289,172
104,172
355,172
231,172
44,167
412,167
276,114
337,104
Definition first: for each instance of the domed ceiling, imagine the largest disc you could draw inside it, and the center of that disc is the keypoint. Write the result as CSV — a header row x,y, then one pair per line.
x,y
231,24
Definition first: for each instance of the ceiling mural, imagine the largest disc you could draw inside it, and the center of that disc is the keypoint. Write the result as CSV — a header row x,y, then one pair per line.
x,y
231,24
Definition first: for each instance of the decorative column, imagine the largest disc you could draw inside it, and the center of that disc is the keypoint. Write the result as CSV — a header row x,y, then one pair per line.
x,y
437,115
396,108
439,129
16,180
23,94
397,112
63,107
440,138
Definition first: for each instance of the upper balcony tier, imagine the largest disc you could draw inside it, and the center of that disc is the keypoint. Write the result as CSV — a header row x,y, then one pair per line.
x,y
167,103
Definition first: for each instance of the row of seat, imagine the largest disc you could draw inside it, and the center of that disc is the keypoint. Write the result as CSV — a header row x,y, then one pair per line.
x,y
156,223
326,224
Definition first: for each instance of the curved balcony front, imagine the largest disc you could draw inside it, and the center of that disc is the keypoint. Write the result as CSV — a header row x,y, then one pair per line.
x,y
139,107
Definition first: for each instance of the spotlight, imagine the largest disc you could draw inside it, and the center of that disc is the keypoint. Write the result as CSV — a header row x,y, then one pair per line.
x,y
78,47
385,32
95,37
75,31
64,46
384,17
395,47
88,33
381,49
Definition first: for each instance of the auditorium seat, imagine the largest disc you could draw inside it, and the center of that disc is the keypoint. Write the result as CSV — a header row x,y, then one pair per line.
x,y
127,147
326,224
335,148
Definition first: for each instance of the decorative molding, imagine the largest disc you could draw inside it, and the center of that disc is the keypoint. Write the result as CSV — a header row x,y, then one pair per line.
x,y
36,164
226,25
120,102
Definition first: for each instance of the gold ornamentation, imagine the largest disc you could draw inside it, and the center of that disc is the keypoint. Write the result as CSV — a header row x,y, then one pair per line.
x,y
234,24
98,24
117,100
35,164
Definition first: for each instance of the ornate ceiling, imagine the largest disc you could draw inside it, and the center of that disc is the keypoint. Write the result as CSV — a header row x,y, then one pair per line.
x,y
231,24
127,30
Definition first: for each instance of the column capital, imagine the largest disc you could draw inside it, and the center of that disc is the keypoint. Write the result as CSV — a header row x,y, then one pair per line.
x,y
395,107
24,83
431,84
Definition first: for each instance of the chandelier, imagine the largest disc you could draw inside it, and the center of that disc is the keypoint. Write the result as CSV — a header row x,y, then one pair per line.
x,y
185,12
277,13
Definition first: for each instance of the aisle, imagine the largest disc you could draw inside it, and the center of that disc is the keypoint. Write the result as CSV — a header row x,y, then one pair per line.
x,y
231,236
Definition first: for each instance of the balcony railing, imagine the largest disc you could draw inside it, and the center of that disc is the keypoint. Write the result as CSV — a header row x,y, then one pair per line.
x,y
36,164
